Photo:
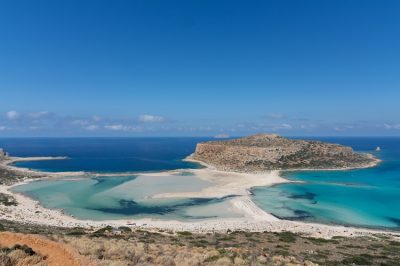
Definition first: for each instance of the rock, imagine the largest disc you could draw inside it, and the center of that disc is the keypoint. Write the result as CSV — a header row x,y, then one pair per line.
x,y
264,152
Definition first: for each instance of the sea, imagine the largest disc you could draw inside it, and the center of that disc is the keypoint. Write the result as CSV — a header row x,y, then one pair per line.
x,y
365,197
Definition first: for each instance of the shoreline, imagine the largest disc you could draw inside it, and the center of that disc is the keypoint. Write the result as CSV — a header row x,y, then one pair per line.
x,y
255,219
8,164
374,163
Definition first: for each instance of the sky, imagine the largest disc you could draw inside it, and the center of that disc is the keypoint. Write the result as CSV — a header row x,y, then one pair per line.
x,y
199,68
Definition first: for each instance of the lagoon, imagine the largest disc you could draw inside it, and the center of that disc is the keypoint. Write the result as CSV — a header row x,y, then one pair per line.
x,y
125,197
365,197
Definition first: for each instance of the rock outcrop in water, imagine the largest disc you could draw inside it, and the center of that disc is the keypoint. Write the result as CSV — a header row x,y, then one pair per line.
x,y
263,152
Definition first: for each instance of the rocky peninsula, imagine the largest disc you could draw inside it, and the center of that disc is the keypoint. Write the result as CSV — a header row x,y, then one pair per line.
x,y
265,152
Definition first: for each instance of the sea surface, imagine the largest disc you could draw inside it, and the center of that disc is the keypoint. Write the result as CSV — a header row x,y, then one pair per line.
x,y
102,197
124,197
365,197
105,155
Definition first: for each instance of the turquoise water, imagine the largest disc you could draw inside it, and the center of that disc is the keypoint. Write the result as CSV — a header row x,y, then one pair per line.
x,y
122,197
365,197
113,197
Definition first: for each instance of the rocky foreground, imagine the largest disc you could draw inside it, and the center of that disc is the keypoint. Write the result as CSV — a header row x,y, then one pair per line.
x,y
263,152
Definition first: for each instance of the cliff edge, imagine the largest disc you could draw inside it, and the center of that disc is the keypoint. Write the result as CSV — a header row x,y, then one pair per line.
x,y
264,152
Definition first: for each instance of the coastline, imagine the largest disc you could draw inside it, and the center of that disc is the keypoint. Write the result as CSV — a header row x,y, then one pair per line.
x,y
374,163
8,164
254,218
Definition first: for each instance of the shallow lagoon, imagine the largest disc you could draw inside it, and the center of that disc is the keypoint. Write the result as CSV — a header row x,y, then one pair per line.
x,y
369,197
365,197
124,197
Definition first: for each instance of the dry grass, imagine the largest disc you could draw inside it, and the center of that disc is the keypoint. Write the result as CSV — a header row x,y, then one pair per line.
x,y
141,247
129,252
118,252
27,249
19,257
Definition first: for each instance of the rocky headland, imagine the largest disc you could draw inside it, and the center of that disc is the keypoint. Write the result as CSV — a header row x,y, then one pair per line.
x,y
263,152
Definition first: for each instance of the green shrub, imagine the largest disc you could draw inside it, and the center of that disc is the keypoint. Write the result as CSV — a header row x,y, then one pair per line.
x,y
288,237
76,233
212,258
363,259
125,229
322,240
101,231
184,233
24,248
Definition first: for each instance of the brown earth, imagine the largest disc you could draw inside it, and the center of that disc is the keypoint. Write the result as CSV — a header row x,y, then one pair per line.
x,y
263,152
57,254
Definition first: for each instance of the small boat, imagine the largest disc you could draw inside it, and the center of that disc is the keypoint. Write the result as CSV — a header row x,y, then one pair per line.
x,y
378,148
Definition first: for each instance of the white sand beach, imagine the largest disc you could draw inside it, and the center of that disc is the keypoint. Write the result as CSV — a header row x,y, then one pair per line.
x,y
226,183
223,184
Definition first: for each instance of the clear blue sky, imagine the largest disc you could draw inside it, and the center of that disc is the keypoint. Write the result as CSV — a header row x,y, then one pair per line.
x,y
165,68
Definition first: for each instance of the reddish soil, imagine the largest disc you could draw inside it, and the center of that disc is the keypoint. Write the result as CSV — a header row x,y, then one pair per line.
x,y
57,254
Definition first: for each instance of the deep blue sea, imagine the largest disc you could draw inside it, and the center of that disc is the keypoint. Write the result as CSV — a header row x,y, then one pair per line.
x,y
104,154
366,197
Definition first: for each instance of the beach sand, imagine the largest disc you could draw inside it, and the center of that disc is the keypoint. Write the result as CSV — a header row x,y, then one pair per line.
x,y
223,184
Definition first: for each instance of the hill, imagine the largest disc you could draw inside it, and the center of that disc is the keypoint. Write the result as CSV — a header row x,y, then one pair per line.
x,y
263,152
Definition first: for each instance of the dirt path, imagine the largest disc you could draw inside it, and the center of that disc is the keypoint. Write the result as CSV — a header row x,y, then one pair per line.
x,y
57,254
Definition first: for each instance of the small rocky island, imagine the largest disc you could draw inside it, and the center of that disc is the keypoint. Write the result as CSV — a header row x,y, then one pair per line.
x,y
264,152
